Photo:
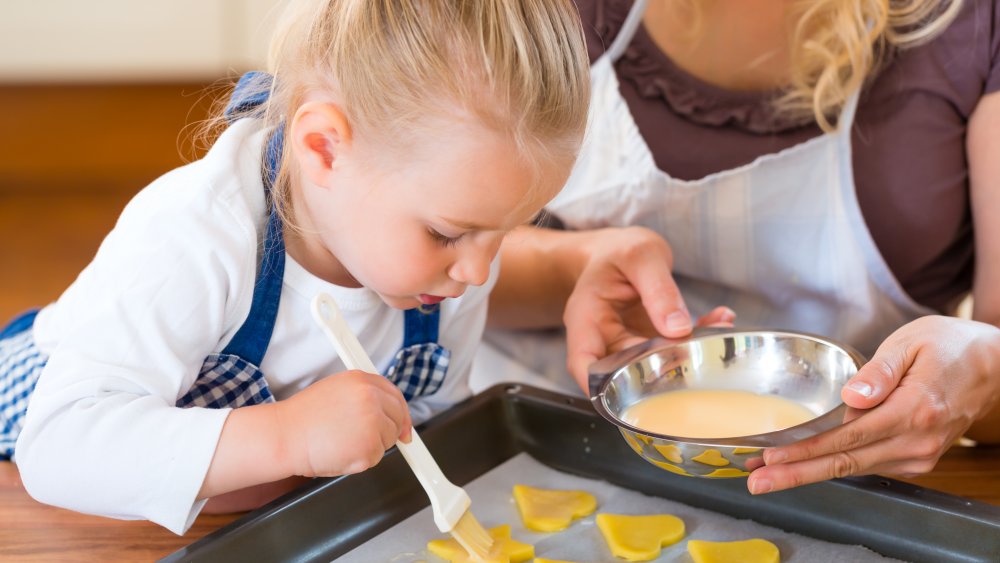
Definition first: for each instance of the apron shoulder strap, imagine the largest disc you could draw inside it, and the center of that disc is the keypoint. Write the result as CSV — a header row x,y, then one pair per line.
x,y
420,325
251,340
249,96
627,32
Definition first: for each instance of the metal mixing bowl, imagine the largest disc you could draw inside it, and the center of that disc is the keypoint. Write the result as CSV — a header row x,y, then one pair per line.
x,y
807,369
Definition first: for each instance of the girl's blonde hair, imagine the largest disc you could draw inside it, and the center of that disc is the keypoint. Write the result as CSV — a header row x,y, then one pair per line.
x,y
519,66
838,44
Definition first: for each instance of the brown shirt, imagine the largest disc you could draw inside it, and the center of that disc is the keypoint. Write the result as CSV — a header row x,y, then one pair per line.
x,y
908,139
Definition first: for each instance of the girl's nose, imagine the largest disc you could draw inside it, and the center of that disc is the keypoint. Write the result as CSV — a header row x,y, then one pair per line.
x,y
471,270
472,267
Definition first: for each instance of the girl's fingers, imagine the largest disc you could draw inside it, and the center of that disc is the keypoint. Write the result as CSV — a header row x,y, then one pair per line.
x,y
395,409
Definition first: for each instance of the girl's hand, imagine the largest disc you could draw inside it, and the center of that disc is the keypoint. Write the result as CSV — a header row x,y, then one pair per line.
x,y
624,295
927,383
342,424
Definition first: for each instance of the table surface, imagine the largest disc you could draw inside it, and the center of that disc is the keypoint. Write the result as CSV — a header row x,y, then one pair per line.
x,y
30,531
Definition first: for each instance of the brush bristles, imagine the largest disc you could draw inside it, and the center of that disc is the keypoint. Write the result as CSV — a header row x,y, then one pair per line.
x,y
471,535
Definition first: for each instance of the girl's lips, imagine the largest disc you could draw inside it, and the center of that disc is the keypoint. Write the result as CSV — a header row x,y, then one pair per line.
x,y
430,299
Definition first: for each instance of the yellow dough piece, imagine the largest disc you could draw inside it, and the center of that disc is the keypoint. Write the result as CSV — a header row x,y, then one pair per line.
x,y
711,457
670,453
746,551
505,550
669,467
545,510
639,538
632,442
741,451
728,472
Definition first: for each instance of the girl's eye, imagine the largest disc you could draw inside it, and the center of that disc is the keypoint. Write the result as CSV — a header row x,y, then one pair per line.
x,y
442,239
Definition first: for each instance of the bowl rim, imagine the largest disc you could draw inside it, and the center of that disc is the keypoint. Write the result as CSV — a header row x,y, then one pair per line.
x,y
601,372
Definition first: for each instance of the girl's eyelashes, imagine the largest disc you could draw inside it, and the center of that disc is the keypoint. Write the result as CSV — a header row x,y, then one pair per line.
x,y
443,240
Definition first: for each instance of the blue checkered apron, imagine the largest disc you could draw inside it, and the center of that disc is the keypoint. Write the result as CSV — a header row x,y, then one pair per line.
x,y
421,364
20,363
232,378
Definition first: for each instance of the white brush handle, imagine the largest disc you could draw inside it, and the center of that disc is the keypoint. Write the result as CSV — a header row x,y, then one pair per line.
x,y
448,501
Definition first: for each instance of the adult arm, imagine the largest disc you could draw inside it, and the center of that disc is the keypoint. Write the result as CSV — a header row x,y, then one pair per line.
x,y
933,379
611,287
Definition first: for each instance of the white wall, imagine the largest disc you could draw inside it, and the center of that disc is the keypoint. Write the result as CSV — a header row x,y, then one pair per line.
x,y
132,40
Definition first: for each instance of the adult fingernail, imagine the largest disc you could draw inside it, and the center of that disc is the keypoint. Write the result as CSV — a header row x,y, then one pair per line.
x,y
728,314
678,321
760,486
861,388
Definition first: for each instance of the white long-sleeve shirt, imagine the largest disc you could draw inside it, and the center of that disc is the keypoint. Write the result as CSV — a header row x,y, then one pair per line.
x,y
171,284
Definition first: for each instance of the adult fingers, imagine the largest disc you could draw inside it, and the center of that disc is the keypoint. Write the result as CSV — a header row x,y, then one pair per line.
x,y
586,340
857,461
720,316
895,456
647,269
873,426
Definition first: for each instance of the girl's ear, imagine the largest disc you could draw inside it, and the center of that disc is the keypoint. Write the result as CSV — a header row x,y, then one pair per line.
x,y
320,135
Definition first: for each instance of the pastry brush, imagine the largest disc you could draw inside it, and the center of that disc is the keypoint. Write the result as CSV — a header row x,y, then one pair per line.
x,y
449,502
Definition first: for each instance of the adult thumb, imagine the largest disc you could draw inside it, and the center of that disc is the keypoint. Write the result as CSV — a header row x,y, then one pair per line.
x,y
877,378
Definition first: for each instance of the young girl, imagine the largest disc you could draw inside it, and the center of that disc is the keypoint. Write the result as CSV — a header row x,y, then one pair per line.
x,y
395,146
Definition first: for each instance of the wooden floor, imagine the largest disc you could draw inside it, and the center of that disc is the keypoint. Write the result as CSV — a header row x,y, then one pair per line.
x,y
70,158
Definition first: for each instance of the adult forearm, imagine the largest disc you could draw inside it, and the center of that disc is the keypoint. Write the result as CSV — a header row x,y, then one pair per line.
x,y
538,271
251,451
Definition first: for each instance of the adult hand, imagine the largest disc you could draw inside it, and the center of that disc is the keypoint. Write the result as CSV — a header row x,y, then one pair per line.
x,y
343,424
926,384
624,295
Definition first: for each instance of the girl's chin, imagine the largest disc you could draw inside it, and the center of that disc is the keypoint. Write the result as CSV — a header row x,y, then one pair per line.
x,y
401,303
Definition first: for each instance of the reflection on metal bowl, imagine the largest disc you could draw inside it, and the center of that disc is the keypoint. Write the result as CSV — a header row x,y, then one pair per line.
x,y
807,369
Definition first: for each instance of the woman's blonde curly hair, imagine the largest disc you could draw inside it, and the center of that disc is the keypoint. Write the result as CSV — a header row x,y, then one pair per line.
x,y
838,44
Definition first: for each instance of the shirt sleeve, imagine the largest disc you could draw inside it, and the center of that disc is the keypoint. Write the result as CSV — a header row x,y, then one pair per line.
x,y
993,78
102,435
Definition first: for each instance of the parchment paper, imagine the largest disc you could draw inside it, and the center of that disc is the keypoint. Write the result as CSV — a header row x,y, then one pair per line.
x,y
493,505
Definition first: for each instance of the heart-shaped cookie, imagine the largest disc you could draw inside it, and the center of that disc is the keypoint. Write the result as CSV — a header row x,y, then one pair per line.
x,y
639,538
546,510
746,551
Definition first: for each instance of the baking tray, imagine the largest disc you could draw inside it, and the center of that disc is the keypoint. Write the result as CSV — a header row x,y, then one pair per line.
x,y
329,517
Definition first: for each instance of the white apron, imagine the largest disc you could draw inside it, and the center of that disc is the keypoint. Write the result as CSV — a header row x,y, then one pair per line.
x,y
781,240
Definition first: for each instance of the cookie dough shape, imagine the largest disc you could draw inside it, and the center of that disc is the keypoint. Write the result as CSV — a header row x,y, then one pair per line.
x,y
669,467
728,472
545,510
505,549
746,551
711,457
639,538
670,453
